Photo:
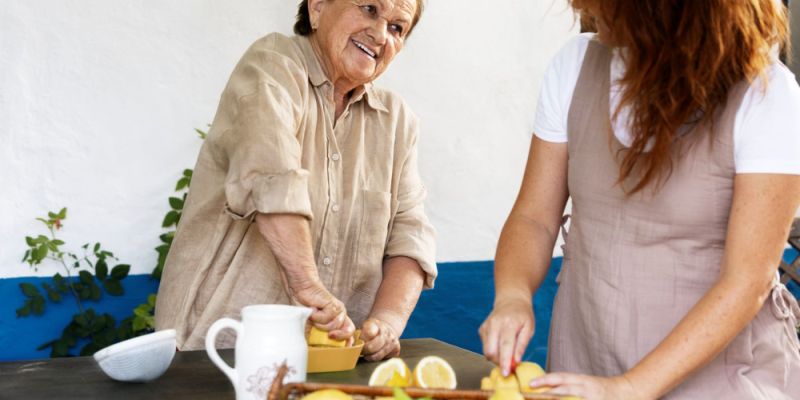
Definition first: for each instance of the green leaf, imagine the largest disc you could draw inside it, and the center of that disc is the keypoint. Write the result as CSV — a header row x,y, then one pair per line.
x,y
94,292
89,349
400,394
60,283
58,242
52,215
96,247
26,256
86,277
63,213
182,183
140,312
25,310
40,253
30,290
30,241
120,271
201,133
151,300
37,305
54,296
176,203
187,173
81,319
60,349
139,324
101,269
113,287
170,219
166,239
98,324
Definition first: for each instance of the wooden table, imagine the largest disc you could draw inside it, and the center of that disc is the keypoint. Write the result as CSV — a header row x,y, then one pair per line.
x,y
193,376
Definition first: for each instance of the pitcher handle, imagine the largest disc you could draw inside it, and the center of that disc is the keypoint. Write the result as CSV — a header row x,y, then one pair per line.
x,y
211,338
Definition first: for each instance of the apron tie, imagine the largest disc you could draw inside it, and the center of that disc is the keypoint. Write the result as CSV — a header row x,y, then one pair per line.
x,y
564,233
784,307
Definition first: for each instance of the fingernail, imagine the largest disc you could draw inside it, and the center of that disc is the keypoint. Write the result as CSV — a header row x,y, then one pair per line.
x,y
505,371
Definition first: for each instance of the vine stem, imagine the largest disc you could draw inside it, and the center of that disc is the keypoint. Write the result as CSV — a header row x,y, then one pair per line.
x,y
60,258
72,289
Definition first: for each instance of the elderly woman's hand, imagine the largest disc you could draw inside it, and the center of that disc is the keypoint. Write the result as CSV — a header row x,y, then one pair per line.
x,y
329,312
380,340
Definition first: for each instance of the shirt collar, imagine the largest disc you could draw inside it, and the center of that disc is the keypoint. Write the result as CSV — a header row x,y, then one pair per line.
x,y
317,77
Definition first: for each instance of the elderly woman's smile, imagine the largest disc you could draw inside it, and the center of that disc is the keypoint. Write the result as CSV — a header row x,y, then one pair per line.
x,y
356,40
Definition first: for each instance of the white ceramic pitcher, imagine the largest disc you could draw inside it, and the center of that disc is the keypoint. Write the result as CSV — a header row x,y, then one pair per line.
x,y
268,335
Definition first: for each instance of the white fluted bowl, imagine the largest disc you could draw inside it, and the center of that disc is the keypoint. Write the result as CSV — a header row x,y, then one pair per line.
x,y
140,359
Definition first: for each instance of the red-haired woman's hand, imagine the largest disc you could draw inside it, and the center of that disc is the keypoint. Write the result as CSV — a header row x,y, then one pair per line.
x,y
506,332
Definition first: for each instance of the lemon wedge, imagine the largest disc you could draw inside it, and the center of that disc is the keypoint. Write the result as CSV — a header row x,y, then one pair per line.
x,y
392,372
434,372
318,337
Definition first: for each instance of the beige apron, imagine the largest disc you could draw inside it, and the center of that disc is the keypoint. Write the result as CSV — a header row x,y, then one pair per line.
x,y
634,267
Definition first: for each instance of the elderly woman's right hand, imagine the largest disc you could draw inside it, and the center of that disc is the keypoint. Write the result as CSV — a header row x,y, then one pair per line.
x,y
329,312
506,332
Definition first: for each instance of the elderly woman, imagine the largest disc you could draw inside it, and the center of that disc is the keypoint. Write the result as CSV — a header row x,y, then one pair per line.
x,y
675,130
306,190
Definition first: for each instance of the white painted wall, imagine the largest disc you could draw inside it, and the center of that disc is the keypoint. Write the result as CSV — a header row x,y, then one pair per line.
x,y
99,99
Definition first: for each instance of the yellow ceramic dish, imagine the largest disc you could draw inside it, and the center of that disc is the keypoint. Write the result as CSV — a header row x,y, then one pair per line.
x,y
333,359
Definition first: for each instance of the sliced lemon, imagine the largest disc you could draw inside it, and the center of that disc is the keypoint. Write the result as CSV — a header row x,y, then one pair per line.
x,y
392,372
434,372
327,394
318,337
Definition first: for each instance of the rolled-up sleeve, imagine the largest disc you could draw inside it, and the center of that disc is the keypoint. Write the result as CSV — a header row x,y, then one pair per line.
x,y
412,234
263,154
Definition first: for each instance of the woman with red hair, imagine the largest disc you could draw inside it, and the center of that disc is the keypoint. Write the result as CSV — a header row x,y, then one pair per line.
x,y
675,130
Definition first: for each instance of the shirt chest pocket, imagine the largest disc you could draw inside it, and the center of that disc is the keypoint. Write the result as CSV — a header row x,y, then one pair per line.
x,y
373,230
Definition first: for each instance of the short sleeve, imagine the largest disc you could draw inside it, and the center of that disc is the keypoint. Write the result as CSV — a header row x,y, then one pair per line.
x,y
264,99
558,85
767,126
412,234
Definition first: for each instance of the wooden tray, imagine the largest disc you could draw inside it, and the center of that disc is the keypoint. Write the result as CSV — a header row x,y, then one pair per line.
x,y
295,391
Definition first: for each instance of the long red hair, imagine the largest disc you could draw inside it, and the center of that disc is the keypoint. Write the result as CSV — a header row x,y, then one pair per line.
x,y
682,59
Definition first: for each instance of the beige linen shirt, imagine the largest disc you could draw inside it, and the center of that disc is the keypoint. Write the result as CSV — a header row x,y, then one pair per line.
x,y
274,147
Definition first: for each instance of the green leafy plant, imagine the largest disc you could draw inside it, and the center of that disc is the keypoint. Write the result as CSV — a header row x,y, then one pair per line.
x,y
88,275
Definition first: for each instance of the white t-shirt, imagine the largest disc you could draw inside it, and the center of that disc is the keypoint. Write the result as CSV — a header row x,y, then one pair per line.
x,y
766,131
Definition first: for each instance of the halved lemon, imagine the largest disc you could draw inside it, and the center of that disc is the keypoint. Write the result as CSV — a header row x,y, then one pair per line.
x,y
392,372
434,372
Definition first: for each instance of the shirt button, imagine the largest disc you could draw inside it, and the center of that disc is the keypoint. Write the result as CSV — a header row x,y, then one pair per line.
x,y
327,261
335,208
335,157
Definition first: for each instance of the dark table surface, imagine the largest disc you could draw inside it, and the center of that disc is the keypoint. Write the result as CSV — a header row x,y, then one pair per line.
x,y
193,376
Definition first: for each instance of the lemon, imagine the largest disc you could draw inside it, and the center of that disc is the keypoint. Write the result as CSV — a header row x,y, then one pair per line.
x,y
506,394
434,372
318,337
327,394
392,372
526,371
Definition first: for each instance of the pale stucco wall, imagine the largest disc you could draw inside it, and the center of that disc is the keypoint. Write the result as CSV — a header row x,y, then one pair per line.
x,y
98,101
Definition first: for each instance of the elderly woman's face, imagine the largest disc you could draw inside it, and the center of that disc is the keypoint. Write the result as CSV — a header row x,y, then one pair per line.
x,y
357,39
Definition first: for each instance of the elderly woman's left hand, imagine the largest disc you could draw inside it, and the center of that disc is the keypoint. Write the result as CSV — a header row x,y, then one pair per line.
x,y
380,340
587,387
